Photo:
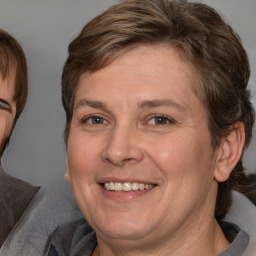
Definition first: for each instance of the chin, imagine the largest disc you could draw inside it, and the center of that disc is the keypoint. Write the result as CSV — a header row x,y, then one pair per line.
x,y
122,229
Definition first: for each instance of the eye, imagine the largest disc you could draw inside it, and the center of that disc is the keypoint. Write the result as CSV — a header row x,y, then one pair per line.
x,y
95,120
160,120
5,105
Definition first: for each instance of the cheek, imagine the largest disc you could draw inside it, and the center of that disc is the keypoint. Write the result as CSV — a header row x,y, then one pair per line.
x,y
82,154
6,123
180,157
187,169
1,132
171,151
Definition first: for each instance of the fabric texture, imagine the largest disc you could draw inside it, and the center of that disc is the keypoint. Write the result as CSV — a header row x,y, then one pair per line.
x,y
243,214
74,239
47,211
238,238
15,195
78,239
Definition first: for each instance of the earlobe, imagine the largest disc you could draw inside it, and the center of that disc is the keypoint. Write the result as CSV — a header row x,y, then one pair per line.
x,y
67,176
229,152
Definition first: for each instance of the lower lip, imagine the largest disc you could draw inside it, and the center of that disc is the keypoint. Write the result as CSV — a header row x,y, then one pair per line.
x,y
125,196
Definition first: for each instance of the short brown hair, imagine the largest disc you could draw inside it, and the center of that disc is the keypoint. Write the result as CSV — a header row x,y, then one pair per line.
x,y
200,35
12,59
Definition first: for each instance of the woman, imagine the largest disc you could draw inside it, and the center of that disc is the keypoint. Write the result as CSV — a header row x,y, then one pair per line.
x,y
158,115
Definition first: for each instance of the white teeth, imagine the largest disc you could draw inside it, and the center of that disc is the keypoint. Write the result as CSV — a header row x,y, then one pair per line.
x,y
135,186
107,186
111,185
118,186
126,186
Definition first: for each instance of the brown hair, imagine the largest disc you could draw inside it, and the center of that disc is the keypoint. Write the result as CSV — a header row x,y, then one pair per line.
x,y
200,35
12,59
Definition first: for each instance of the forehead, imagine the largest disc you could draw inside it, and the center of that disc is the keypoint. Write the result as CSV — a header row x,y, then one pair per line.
x,y
145,69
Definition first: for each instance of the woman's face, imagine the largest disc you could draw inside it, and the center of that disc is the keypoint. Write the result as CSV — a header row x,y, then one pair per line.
x,y
7,108
139,151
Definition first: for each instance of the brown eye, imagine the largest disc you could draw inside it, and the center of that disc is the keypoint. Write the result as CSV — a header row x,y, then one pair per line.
x,y
159,120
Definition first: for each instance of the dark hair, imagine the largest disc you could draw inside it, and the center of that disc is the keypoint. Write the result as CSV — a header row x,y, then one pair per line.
x,y
201,37
12,59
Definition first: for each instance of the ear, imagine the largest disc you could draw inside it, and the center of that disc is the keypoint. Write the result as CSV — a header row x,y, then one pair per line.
x,y
229,152
67,175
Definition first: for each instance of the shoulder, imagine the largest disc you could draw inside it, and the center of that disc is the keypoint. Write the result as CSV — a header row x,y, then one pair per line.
x,y
72,239
15,196
243,214
11,186
47,211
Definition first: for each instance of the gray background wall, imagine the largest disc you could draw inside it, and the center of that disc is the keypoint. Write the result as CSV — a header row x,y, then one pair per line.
x,y
44,28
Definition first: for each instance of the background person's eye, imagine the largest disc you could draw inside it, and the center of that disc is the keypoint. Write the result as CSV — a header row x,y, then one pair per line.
x,y
5,105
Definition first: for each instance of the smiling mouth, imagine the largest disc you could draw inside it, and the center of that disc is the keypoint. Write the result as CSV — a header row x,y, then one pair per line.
x,y
126,186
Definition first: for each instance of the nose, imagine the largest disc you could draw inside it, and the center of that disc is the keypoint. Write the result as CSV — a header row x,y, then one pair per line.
x,y
122,146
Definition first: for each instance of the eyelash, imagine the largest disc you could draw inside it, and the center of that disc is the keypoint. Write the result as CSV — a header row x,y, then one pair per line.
x,y
5,106
167,120
93,117
99,120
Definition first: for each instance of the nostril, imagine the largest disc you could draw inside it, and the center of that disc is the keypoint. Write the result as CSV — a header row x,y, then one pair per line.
x,y
121,150
115,161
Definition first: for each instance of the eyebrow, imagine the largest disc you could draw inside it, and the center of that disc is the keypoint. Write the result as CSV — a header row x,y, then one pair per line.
x,y
5,105
160,103
143,104
90,103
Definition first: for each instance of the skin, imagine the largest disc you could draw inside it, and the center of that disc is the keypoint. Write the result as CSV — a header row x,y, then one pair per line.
x,y
7,108
139,120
